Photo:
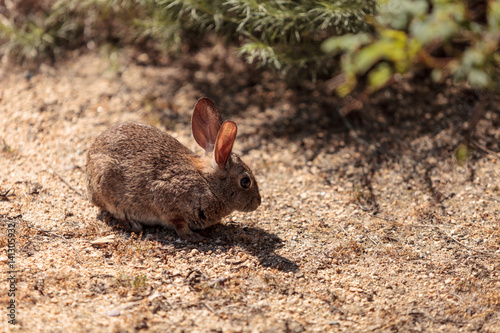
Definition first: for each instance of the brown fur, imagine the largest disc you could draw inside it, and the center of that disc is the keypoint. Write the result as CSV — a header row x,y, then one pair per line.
x,y
143,176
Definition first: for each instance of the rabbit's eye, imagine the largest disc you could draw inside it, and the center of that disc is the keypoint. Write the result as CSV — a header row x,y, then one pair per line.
x,y
245,182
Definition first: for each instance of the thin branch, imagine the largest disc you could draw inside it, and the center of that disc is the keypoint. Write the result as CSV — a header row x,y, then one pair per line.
x,y
462,244
384,219
3,196
210,309
489,197
441,230
477,145
50,233
375,243
65,182
343,229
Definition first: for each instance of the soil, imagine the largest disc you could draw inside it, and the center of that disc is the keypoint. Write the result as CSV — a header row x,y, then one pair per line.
x,y
380,220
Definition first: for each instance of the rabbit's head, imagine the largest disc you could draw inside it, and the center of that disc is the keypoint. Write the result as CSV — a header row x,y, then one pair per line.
x,y
228,177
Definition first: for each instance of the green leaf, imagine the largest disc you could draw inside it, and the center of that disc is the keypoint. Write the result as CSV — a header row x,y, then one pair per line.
x,y
379,76
494,16
347,42
473,57
478,78
397,14
437,74
462,154
345,88
367,57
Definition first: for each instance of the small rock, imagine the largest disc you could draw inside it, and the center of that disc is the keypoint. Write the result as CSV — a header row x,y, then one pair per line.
x,y
113,313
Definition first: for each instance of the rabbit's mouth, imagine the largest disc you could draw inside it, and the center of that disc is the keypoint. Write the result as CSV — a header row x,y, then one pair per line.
x,y
252,205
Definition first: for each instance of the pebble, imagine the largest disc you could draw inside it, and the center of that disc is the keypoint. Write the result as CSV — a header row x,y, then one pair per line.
x,y
113,313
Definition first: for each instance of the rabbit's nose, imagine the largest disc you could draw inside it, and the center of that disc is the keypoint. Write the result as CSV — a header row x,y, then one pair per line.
x,y
257,201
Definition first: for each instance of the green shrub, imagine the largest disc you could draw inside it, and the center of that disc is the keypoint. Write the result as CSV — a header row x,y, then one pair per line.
x,y
283,34
53,27
376,40
446,36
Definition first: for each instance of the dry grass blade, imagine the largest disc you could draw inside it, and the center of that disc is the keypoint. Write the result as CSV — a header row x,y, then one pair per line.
x,y
343,229
119,309
479,146
441,230
210,309
101,241
50,233
3,196
65,182
490,197
371,240
460,243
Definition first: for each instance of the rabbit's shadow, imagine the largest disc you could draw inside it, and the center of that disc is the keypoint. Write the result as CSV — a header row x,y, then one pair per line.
x,y
255,241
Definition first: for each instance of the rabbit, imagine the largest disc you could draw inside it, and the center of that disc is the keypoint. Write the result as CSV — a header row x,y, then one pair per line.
x,y
144,176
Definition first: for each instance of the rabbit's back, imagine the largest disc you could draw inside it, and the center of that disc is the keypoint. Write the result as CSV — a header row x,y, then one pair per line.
x,y
129,162
133,141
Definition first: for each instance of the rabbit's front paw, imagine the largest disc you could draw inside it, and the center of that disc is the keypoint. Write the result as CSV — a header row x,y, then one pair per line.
x,y
192,236
184,232
132,226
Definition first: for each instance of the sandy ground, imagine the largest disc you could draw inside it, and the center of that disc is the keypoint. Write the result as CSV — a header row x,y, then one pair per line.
x,y
368,223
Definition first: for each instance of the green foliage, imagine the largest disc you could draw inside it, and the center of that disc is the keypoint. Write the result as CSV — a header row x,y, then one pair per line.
x,y
445,37
135,282
48,31
462,154
283,34
288,34
402,35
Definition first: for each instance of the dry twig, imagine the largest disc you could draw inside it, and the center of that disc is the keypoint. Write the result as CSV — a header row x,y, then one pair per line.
x,y
477,145
3,196
343,229
65,182
50,233
209,308
101,241
489,197
375,243
441,230
457,241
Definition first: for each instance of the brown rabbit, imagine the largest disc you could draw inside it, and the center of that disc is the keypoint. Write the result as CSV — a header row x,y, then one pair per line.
x,y
142,175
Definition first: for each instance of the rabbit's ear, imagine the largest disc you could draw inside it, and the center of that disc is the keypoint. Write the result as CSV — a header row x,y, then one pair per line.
x,y
224,143
205,123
